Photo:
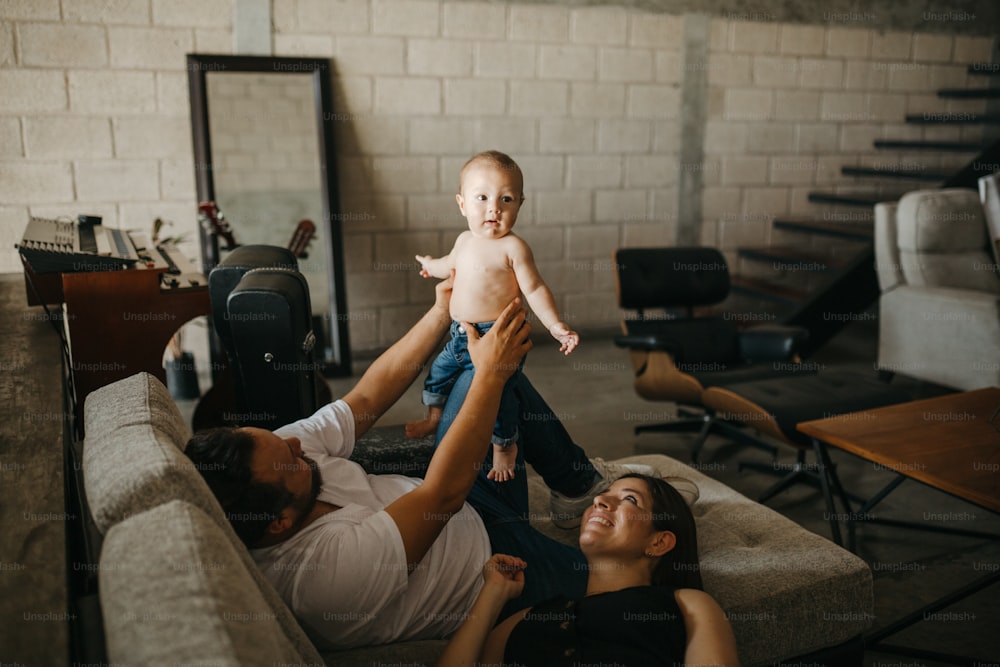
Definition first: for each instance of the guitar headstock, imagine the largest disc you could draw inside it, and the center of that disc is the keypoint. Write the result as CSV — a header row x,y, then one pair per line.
x,y
209,213
303,235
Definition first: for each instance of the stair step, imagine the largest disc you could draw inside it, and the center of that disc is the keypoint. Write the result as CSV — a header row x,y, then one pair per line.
x,y
948,146
984,69
970,93
868,199
767,290
953,117
860,230
920,174
791,258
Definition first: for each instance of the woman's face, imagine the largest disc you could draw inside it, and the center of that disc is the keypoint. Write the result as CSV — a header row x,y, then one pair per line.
x,y
619,521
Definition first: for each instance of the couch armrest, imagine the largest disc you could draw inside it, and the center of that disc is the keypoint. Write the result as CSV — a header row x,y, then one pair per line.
x,y
771,342
944,335
887,266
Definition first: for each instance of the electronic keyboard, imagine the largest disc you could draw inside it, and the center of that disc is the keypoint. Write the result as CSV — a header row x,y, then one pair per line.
x,y
64,246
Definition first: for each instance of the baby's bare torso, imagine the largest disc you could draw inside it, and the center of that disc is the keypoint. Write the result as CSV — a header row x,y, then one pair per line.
x,y
484,277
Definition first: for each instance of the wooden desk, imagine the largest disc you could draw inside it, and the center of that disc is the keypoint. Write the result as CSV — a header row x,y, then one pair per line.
x,y
118,322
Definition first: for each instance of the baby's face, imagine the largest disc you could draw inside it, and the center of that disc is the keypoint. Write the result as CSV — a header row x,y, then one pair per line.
x,y
490,199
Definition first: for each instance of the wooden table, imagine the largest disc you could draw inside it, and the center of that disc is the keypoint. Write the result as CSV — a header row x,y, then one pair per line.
x,y
950,443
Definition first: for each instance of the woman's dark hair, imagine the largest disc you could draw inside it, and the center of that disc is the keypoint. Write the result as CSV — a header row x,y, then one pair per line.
x,y
679,567
222,456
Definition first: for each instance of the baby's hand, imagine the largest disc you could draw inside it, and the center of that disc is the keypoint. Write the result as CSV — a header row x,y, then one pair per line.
x,y
423,259
568,338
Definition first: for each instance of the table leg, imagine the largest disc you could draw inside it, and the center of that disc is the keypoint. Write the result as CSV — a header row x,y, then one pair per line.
x,y
825,470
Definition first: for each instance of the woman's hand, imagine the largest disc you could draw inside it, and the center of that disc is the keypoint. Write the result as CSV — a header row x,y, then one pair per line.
x,y
505,574
503,580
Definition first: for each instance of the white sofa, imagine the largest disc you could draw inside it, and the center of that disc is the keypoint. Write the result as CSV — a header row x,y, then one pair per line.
x,y
177,587
939,311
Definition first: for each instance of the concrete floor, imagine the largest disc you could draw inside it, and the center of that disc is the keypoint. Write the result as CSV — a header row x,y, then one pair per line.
x,y
591,391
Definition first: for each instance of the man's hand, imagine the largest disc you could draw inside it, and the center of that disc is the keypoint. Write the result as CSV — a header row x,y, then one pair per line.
x,y
505,574
504,345
567,338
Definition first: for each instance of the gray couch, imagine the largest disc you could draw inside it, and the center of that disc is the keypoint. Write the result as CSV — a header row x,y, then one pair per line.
x,y
939,312
176,586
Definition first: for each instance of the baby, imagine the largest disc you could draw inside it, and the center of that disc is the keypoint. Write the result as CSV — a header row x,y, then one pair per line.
x,y
492,266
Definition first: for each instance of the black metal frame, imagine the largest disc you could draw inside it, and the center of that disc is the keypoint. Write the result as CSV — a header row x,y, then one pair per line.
x,y
320,69
874,641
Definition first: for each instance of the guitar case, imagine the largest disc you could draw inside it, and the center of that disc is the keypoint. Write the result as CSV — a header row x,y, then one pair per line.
x,y
261,310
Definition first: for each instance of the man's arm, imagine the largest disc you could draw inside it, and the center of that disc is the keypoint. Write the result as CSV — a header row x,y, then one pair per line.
x,y
422,514
395,370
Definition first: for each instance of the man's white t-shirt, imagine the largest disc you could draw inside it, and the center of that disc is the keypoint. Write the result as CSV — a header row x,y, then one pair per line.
x,y
344,575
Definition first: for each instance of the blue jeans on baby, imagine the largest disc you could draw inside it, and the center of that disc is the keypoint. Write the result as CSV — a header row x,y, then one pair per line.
x,y
553,568
452,362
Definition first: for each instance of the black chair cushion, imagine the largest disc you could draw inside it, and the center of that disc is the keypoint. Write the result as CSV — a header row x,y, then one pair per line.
x,y
711,374
792,400
671,277
689,341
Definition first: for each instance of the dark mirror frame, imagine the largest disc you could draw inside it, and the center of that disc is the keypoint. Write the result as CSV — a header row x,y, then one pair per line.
x,y
198,66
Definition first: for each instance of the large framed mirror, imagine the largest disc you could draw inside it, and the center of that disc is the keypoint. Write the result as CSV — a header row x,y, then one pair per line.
x,y
264,153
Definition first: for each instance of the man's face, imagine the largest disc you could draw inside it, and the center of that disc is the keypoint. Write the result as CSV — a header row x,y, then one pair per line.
x,y
490,199
278,460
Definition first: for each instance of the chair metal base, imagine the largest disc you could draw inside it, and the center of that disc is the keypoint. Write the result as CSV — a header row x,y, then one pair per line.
x,y
705,423
800,473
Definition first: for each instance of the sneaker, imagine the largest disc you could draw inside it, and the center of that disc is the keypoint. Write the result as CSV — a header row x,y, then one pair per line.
x,y
688,489
567,512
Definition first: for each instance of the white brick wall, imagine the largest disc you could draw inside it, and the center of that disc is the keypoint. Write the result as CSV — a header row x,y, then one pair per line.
x,y
788,105
405,17
55,45
54,137
107,11
94,116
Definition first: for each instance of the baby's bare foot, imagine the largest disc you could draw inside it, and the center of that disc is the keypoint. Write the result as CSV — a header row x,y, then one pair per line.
x,y
426,426
504,459
419,429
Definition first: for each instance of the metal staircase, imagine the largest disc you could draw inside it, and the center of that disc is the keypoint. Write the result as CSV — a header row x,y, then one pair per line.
x,y
821,273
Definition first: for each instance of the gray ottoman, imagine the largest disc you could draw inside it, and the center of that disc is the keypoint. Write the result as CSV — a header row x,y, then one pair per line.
x,y
786,591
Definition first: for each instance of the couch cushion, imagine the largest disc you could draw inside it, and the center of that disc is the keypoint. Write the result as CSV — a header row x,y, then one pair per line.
x,y
133,461
943,242
132,454
174,591
785,590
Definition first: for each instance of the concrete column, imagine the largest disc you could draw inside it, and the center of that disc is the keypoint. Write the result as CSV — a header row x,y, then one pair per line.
x,y
694,92
252,27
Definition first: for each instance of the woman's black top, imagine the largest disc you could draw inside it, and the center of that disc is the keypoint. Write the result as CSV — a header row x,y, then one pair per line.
x,y
635,626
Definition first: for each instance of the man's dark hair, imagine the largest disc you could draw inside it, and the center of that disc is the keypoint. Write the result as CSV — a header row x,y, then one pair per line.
x,y
222,456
